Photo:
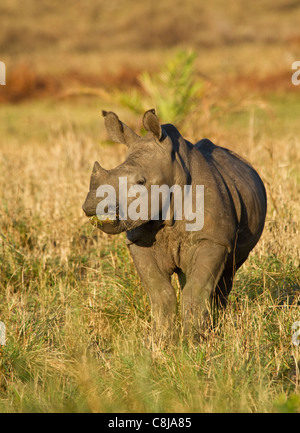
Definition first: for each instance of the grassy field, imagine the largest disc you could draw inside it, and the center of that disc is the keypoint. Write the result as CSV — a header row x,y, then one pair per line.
x,y
78,323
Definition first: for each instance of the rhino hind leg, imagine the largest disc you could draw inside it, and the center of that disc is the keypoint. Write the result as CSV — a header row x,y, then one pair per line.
x,y
207,265
224,286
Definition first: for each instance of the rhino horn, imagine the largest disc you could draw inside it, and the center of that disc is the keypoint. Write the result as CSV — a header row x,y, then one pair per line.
x,y
98,171
117,130
98,176
151,124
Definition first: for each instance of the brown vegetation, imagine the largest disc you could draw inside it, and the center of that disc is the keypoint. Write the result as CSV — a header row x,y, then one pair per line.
x,y
77,318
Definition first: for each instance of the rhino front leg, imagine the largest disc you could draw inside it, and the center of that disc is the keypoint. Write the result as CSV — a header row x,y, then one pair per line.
x,y
207,263
159,289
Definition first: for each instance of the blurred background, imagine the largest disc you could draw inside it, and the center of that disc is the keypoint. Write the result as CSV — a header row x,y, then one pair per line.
x,y
237,52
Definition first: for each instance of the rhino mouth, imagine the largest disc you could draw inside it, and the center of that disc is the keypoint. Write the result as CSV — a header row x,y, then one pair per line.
x,y
104,219
107,224
111,223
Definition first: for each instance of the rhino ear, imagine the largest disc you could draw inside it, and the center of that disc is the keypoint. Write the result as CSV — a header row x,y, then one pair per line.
x,y
117,130
151,124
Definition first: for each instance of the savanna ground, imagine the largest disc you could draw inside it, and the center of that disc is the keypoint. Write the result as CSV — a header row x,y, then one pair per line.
x,y
78,323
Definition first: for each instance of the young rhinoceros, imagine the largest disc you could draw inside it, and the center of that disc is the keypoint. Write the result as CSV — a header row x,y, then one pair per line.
x,y
160,237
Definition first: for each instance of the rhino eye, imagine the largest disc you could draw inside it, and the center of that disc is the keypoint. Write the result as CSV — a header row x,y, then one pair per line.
x,y
141,181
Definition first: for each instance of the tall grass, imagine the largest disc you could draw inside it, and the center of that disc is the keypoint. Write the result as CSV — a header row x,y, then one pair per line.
x,y
78,322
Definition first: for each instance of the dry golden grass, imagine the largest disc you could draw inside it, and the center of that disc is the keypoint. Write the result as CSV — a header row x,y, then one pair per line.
x,y
77,318
78,325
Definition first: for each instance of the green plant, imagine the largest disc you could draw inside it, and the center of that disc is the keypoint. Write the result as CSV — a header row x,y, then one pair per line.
x,y
174,91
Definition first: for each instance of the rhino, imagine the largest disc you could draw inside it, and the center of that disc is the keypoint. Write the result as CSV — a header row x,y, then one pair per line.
x,y
205,259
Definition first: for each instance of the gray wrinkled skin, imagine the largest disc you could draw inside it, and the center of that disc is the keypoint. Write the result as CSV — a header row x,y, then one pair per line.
x,y
205,260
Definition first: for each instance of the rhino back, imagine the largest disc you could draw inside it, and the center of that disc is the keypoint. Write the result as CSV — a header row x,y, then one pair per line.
x,y
234,195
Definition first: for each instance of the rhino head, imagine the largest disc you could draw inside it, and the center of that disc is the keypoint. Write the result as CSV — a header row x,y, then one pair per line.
x,y
150,161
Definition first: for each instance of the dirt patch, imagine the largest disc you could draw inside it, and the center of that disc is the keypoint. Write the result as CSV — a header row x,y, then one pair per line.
x,y
24,83
275,82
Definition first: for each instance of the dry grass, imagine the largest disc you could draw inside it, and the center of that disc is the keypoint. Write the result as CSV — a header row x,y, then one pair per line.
x,y
77,318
